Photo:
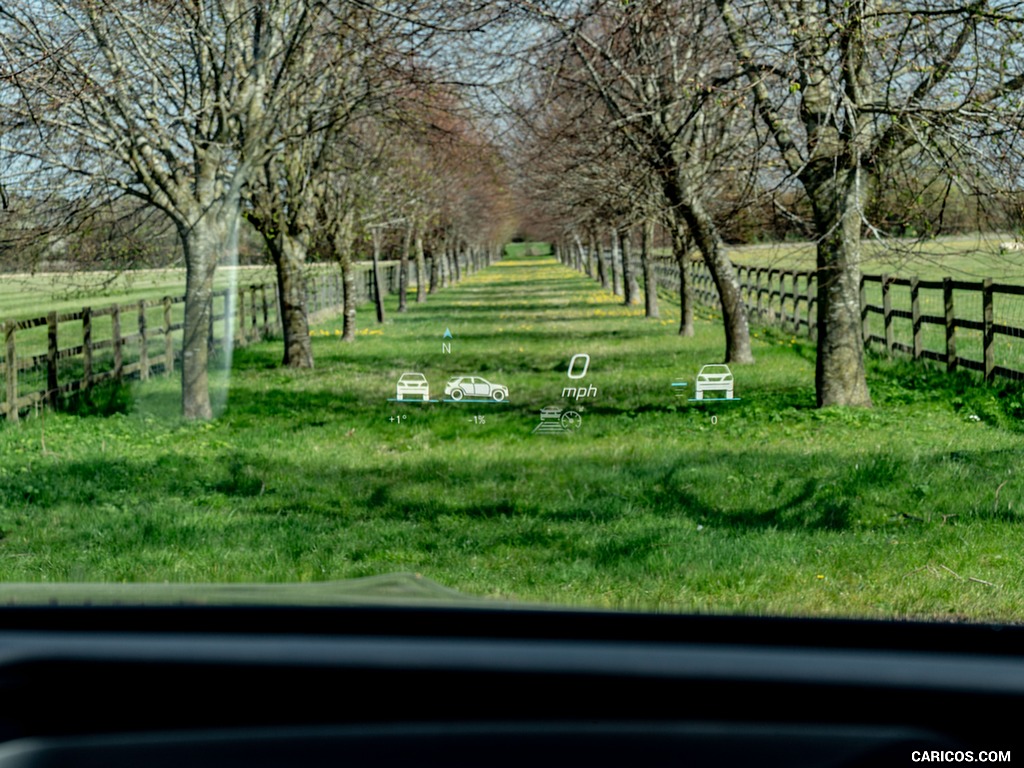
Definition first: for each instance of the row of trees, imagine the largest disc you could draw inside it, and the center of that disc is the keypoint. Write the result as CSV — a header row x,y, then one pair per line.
x,y
691,113
322,124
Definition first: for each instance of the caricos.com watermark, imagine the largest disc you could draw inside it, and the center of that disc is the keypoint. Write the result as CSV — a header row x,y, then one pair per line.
x,y
959,756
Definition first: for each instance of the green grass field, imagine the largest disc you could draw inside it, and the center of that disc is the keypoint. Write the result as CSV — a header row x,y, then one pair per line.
x,y
962,257
760,505
30,295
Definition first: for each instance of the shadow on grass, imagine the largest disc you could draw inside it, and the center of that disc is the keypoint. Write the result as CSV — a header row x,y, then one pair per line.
x,y
591,486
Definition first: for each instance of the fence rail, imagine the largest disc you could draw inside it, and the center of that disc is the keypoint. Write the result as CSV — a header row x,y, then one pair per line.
x,y
956,322
44,358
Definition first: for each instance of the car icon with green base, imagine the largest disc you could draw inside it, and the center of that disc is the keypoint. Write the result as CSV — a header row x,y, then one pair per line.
x,y
714,378
413,385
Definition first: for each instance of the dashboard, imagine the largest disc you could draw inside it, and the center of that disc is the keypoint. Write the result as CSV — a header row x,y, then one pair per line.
x,y
438,686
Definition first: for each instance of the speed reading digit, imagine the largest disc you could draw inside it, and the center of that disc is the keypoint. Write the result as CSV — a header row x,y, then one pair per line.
x,y
573,374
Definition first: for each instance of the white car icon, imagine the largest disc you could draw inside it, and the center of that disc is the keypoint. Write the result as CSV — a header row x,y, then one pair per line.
x,y
474,386
714,378
414,384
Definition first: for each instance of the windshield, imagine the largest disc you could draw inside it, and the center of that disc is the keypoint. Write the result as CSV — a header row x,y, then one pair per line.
x,y
559,316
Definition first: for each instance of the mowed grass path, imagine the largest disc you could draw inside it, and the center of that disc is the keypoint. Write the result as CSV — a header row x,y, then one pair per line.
x,y
765,505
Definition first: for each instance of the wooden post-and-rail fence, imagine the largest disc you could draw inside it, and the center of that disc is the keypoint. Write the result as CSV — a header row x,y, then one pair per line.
x,y
913,313
48,357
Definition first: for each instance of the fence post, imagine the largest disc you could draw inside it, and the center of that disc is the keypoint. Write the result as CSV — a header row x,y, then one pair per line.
x,y
776,316
887,314
253,320
87,347
915,311
947,296
785,295
227,318
266,309
758,296
11,365
989,334
241,317
115,335
812,326
793,296
168,338
51,359
865,329
744,291
143,343
782,298
796,304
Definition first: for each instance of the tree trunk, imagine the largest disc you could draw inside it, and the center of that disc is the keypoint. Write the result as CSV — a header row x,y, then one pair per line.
x,y
343,247
203,242
289,255
650,276
592,246
734,314
681,252
378,289
602,263
690,208
840,378
436,257
616,266
403,270
631,287
421,270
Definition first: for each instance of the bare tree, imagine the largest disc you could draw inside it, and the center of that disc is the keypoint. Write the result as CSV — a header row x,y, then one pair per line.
x,y
175,103
660,74
349,75
846,89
